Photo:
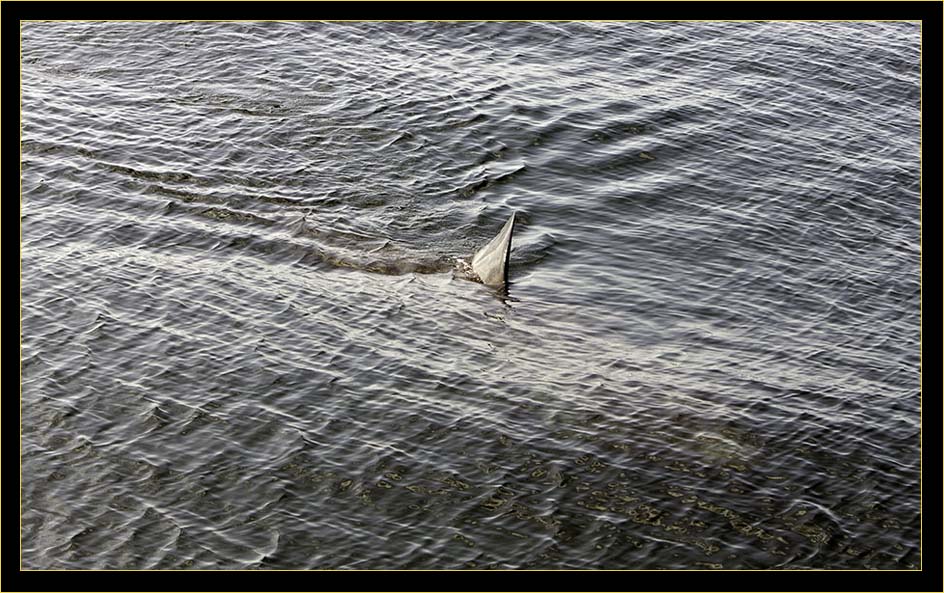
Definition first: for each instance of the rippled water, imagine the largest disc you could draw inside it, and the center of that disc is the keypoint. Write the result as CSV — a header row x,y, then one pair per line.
x,y
245,342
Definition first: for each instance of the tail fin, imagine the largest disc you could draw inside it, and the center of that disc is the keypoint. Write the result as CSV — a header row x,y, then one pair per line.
x,y
491,261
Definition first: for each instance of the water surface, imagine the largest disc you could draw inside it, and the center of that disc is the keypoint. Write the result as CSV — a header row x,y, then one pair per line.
x,y
246,342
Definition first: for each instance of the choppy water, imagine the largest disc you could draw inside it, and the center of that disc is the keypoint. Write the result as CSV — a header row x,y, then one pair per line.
x,y
245,344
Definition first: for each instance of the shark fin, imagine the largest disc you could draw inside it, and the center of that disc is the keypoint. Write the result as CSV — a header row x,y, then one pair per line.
x,y
490,263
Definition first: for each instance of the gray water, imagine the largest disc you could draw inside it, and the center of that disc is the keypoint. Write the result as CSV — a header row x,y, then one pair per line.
x,y
247,342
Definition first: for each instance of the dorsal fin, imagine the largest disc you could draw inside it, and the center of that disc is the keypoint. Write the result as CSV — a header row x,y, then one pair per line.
x,y
490,263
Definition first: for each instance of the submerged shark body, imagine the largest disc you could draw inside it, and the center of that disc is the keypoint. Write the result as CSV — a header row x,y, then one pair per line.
x,y
490,263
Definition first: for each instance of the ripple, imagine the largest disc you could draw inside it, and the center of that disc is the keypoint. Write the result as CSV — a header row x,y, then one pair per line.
x,y
245,339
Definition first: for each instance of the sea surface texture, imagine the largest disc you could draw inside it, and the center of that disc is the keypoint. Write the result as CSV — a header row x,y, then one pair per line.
x,y
250,340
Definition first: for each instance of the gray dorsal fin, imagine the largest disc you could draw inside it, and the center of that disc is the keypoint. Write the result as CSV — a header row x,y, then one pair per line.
x,y
490,263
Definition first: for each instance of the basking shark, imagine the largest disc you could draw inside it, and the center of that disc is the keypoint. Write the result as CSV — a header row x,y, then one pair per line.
x,y
490,263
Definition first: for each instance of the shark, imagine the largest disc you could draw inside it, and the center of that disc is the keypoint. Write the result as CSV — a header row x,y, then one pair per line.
x,y
488,265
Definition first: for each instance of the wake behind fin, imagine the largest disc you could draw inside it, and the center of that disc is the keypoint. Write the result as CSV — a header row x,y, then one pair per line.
x,y
490,263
